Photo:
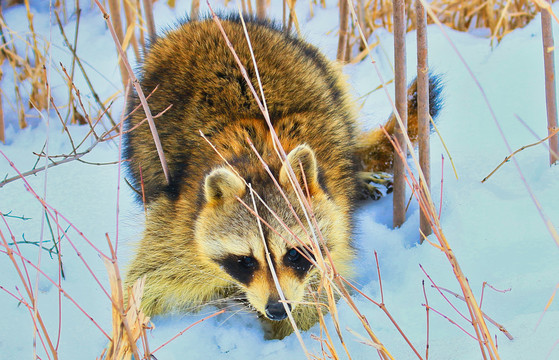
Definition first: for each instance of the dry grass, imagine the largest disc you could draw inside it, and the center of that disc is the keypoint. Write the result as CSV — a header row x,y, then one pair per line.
x,y
27,66
27,53
498,17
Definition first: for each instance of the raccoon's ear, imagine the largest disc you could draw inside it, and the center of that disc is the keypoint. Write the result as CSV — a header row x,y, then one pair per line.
x,y
222,184
302,156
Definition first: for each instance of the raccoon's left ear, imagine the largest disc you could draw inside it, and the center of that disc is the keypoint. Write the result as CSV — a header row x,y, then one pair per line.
x,y
222,184
302,156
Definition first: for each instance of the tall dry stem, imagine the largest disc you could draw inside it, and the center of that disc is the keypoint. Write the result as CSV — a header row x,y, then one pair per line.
x,y
423,109
114,8
550,97
261,9
343,35
402,108
129,321
130,15
150,21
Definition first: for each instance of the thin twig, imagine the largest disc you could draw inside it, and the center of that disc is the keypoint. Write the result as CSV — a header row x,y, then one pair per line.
x,y
427,311
507,159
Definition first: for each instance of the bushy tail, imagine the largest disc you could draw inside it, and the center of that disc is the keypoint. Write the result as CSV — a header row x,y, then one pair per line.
x,y
375,151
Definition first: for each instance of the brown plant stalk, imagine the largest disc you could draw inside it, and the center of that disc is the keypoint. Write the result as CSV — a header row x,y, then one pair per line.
x,y
399,211
423,109
139,91
550,98
114,7
343,36
150,21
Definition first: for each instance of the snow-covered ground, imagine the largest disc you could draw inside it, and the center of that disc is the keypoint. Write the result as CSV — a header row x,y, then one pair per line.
x,y
494,227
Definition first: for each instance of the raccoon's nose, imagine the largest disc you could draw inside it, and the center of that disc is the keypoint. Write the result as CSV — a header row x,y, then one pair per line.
x,y
276,311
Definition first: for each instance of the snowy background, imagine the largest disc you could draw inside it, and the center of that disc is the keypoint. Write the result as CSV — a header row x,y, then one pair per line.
x,y
494,228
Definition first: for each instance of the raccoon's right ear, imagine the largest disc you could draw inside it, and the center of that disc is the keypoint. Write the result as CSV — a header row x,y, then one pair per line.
x,y
302,156
222,184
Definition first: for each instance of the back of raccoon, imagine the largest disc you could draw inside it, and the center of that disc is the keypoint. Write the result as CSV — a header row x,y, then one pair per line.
x,y
193,70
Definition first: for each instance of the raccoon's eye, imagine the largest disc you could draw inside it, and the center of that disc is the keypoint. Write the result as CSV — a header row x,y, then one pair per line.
x,y
296,261
241,268
293,255
247,262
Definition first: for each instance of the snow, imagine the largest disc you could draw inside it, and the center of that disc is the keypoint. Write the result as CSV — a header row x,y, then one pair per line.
x,y
494,227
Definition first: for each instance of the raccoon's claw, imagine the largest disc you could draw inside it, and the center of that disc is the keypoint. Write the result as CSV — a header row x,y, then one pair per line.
x,y
369,190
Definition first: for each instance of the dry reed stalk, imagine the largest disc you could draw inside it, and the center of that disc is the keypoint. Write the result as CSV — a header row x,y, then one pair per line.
x,y
130,15
114,8
129,321
249,5
423,109
550,98
261,9
148,14
343,32
399,211
194,9
293,17
361,17
141,24
39,94
139,91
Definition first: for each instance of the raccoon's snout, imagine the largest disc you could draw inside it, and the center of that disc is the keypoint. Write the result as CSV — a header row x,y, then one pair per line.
x,y
276,311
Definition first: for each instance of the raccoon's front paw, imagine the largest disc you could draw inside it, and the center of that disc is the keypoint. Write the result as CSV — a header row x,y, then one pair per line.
x,y
366,181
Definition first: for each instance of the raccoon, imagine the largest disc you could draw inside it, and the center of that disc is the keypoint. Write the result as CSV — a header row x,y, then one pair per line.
x,y
202,241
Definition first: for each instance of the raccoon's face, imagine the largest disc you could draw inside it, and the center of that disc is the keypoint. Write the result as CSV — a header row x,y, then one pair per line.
x,y
230,238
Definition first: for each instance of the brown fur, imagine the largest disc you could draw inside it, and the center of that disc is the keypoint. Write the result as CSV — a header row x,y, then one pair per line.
x,y
197,232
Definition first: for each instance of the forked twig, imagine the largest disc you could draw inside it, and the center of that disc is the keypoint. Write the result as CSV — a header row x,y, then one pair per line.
x,y
499,326
507,159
